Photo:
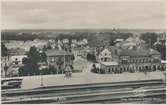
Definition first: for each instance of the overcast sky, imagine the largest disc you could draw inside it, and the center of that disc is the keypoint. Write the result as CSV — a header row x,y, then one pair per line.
x,y
65,15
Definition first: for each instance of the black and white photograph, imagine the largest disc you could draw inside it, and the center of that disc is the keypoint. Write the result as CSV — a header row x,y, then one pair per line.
x,y
83,52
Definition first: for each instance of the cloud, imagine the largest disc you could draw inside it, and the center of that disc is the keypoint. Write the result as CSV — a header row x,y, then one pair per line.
x,y
83,15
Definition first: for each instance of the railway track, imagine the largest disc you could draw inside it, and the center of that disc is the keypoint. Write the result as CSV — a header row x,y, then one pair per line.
x,y
86,93
51,89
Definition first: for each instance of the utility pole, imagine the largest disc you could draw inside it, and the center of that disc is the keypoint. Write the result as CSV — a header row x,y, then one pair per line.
x,y
64,59
41,79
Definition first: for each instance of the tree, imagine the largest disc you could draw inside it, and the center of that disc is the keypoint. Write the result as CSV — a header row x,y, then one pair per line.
x,y
149,38
34,55
25,60
43,57
4,50
44,48
59,63
31,63
91,57
28,69
162,49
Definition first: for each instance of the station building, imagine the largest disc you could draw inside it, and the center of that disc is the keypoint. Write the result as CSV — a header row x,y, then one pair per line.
x,y
130,60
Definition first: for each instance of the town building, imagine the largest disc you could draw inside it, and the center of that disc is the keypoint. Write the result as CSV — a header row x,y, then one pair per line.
x,y
17,59
83,51
59,58
77,51
105,56
118,40
17,51
25,45
59,44
109,52
74,41
65,41
130,60
131,42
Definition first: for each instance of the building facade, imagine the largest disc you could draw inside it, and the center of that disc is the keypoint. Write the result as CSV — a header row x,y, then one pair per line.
x,y
134,60
59,58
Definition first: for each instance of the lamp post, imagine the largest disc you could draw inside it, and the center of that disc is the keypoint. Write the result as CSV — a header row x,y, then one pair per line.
x,y
41,79
41,76
64,59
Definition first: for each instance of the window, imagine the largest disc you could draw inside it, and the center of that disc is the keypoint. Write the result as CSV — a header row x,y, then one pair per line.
x,y
105,59
109,70
52,59
124,61
115,52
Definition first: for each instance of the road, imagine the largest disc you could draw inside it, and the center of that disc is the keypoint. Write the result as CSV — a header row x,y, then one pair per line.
x,y
83,64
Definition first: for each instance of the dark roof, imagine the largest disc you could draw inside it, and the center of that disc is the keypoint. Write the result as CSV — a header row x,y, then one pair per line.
x,y
138,52
112,48
55,52
154,52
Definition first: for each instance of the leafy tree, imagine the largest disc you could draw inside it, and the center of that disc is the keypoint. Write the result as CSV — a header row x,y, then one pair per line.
x,y
45,71
43,57
25,60
149,38
34,55
44,48
162,49
59,63
31,63
91,57
28,69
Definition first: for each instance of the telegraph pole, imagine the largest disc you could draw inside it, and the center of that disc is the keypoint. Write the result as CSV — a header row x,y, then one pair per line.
x,y
64,59
41,80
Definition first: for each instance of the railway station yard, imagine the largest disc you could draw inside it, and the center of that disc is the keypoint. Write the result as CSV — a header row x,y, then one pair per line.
x,y
86,78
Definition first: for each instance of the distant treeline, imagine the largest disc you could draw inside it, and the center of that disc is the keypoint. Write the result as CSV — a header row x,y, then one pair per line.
x,y
15,36
31,36
94,38
12,35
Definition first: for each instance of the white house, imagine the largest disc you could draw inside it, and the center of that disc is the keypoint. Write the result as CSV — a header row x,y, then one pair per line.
x,y
105,56
118,40
85,41
74,41
17,58
65,40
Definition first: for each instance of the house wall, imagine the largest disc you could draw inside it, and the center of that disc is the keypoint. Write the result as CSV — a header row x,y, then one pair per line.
x,y
133,64
54,60
133,68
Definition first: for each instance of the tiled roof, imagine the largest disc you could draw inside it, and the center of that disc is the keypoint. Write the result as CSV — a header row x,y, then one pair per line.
x,y
109,63
138,52
152,52
55,52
